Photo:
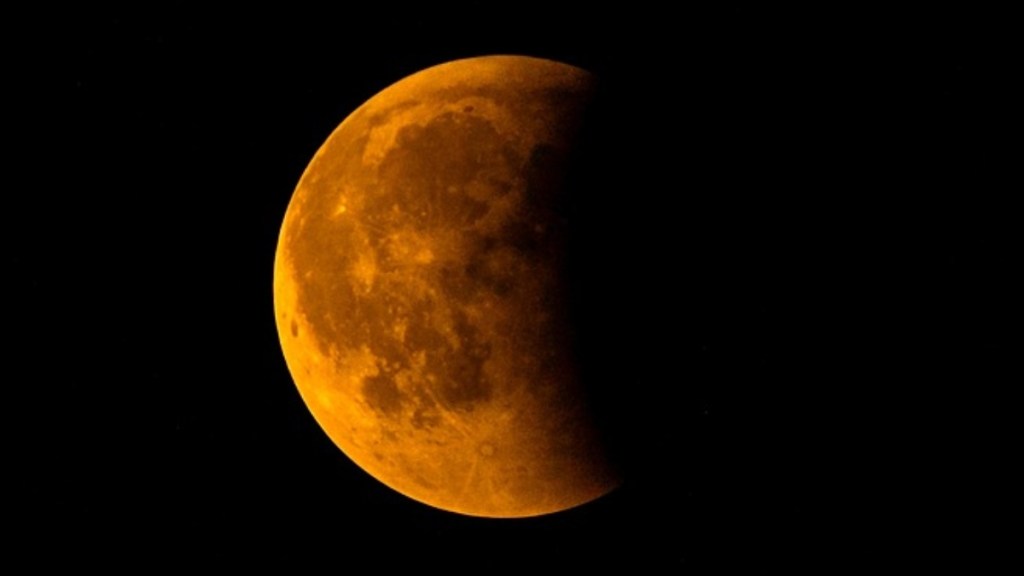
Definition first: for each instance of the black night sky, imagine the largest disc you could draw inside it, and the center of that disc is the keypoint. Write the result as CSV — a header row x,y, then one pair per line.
x,y
801,274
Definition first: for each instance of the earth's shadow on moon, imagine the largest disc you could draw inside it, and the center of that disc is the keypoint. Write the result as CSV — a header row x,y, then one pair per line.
x,y
645,290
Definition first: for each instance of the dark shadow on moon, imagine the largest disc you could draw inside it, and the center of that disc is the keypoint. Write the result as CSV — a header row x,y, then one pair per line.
x,y
602,293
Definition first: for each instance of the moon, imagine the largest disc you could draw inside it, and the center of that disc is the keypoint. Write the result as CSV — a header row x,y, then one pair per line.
x,y
420,290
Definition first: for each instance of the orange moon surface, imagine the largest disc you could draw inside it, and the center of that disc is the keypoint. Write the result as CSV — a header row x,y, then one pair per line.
x,y
420,290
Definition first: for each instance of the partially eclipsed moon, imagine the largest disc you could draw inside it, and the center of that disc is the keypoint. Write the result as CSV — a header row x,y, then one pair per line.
x,y
420,290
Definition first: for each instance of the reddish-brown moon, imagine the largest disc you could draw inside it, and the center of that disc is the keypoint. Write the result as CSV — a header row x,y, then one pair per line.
x,y
420,290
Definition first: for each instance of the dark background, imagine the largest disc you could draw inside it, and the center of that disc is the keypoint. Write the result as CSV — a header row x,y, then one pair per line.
x,y
801,269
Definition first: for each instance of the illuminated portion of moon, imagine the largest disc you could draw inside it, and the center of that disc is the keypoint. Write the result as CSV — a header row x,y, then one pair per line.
x,y
419,290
